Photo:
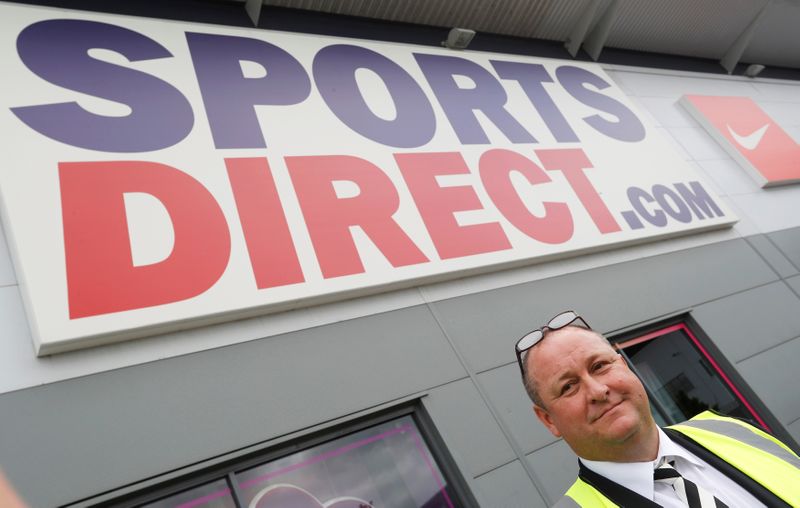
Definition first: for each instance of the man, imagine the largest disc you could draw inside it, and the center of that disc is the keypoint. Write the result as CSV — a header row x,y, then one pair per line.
x,y
584,392
9,497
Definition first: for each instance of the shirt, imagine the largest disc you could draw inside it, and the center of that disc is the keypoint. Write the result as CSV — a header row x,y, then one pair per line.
x,y
638,477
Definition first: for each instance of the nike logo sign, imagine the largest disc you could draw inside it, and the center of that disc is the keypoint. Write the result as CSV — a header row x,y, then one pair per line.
x,y
750,141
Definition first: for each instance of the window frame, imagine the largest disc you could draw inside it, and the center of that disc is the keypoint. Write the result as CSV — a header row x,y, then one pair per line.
x,y
729,375
226,467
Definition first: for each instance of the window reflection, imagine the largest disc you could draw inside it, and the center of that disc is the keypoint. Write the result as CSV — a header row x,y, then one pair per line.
x,y
681,378
388,465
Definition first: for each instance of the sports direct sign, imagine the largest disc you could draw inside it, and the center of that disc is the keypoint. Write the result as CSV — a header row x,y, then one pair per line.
x,y
163,175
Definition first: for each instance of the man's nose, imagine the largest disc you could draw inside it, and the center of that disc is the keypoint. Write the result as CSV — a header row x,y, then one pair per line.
x,y
596,389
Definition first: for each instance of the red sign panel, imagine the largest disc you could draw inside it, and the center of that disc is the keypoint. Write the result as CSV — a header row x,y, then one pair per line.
x,y
750,136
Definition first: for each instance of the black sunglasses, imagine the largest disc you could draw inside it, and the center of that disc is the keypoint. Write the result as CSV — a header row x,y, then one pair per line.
x,y
530,339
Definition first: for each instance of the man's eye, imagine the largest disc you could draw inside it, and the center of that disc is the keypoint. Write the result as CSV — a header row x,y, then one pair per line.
x,y
566,387
599,365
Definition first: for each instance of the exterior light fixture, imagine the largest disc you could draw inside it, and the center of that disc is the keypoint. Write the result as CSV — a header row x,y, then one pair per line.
x,y
459,38
753,70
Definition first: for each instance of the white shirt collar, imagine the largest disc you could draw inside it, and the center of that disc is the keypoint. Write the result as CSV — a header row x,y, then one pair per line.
x,y
638,476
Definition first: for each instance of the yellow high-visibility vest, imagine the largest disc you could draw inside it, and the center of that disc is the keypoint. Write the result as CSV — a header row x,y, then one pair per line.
x,y
749,449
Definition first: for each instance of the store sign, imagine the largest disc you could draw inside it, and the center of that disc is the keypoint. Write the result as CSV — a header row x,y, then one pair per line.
x,y
162,175
749,136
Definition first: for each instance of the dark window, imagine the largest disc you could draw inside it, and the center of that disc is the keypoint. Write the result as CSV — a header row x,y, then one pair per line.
x,y
211,495
394,459
384,465
682,377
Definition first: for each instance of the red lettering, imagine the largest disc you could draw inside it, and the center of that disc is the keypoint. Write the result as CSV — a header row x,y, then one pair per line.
x,y
329,217
101,277
438,204
496,166
272,252
572,162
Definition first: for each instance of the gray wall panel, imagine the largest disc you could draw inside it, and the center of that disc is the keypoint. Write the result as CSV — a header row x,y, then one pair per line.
x,y
788,241
794,430
84,436
749,322
776,259
794,283
14,331
556,466
486,325
504,388
773,376
468,427
171,413
508,487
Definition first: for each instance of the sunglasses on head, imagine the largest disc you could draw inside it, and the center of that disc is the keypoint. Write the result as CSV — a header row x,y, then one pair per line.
x,y
530,339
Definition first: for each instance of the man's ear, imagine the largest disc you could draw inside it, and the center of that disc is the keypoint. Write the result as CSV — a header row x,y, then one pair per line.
x,y
545,418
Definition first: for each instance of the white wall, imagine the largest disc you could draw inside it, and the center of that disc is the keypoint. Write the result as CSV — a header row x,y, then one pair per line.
x,y
760,210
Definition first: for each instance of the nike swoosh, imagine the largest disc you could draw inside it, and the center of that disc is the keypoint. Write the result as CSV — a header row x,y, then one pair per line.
x,y
750,141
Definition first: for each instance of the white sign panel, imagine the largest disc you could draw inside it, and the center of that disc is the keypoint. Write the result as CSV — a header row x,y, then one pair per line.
x,y
161,175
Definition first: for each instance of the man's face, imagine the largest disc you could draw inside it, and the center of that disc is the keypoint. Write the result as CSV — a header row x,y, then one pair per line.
x,y
590,397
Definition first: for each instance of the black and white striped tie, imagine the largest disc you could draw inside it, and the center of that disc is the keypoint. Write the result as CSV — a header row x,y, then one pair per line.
x,y
686,490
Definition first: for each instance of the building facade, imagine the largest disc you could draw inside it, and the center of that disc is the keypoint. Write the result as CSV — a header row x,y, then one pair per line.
x,y
392,383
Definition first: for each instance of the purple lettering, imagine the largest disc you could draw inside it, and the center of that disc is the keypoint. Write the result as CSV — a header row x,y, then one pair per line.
x,y
698,200
57,51
627,127
531,78
460,104
335,70
672,203
230,97
637,197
